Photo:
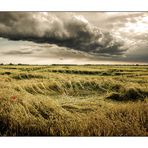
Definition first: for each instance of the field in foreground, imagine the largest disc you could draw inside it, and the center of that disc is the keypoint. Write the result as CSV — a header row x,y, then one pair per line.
x,y
73,100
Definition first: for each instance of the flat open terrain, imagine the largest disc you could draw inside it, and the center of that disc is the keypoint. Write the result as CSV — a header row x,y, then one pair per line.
x,y
65,100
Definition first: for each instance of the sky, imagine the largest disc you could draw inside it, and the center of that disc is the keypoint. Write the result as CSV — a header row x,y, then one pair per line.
x,y
74,37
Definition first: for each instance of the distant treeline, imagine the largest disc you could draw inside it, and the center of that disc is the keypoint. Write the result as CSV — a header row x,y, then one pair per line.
x,y
75,64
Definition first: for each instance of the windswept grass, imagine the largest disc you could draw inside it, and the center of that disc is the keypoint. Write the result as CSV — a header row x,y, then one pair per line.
x,y
39,101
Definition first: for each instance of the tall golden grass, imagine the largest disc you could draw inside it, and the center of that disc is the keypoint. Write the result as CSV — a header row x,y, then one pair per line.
x,y
94,101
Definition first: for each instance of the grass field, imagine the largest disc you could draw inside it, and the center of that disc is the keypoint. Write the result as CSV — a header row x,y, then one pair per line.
x,y
65,100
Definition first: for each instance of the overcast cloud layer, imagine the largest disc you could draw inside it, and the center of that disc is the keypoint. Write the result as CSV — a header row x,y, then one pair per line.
x,y
64,37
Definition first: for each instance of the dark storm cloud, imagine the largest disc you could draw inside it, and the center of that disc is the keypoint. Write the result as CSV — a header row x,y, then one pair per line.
x,y
68,30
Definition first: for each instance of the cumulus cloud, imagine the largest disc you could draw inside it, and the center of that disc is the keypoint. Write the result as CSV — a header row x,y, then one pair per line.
x,y
67,30
74,36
